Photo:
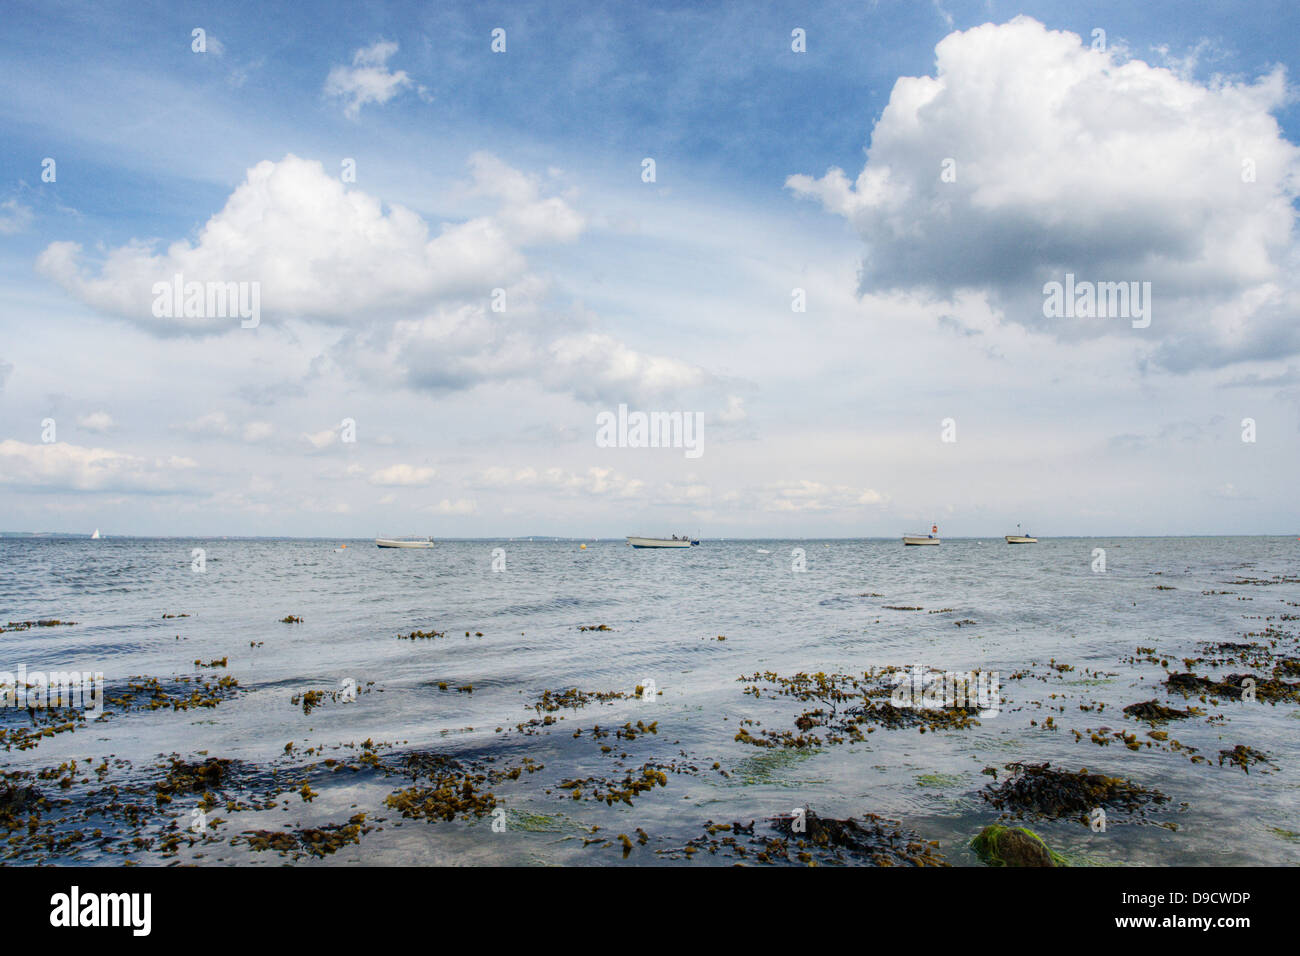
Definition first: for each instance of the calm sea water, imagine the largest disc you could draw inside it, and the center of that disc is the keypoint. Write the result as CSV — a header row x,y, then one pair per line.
x,y
1030,605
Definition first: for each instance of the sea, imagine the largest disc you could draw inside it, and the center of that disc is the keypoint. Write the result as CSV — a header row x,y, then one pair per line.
x,y
586,703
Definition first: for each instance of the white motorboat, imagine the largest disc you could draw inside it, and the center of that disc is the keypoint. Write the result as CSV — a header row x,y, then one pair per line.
x,y
404,542
931,538
673,542
1019,538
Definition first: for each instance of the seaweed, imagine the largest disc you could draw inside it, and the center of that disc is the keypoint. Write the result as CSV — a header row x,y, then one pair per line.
x,y
1243,756
1037,790
421,635
1268,689
848,703
28,625
1155,712
318,841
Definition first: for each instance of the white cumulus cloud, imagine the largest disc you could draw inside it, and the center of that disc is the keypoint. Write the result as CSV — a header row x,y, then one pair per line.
x,y
315,249
1061,158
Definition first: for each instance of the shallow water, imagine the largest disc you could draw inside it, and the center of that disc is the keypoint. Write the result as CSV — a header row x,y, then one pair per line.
x,y
1030,605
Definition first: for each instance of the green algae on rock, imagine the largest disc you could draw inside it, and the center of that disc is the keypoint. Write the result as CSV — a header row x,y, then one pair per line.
x,y
997,845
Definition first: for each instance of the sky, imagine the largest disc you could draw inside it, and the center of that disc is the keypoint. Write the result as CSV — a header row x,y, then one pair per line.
x,y
424,250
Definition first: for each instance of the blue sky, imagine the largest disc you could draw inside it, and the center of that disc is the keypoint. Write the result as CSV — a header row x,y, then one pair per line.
x,y
524,168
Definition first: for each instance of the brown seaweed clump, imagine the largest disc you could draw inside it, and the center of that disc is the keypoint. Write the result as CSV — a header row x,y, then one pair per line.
x,y
17,803
446,802
874,840
847,703
1155,712
417,635
1287,667
572,699
810,840
311,699
1268,689
319,841
28,625
149,693
1040,791
183,778
633,784
454,789
1242,756
45,722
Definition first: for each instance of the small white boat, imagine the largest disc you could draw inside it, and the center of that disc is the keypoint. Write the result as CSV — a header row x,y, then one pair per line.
x,y
404,542
931,538
1019,538
673,542
95,536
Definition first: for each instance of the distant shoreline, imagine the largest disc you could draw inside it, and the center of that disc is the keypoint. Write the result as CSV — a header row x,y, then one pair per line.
x,y
546,539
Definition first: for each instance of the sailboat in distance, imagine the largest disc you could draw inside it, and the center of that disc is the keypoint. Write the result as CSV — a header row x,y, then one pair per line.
x,y
95,536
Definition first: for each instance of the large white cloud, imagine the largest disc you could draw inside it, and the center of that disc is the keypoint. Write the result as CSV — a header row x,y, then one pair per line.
x,y
423,307
1070,159
61,467
321,250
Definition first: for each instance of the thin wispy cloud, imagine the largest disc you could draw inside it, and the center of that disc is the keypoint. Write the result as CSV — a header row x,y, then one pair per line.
x,y
368,79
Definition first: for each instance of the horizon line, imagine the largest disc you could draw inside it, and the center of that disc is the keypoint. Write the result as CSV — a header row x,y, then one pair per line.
x,y
552,537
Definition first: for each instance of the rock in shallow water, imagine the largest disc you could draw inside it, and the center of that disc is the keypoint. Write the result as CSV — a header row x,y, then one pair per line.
x,y
1007,846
